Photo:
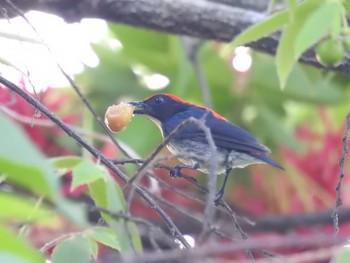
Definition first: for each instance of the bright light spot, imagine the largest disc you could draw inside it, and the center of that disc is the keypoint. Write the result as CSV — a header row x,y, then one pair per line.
x,y
189,239
94,29
139,70
115,44
154,186
69,45
249,113
153,81
242,60
156,81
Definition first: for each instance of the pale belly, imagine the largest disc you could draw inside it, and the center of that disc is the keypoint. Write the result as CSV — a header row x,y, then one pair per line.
x,y
192,152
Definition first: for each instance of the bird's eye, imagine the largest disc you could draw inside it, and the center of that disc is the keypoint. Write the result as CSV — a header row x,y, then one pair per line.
x,y
159,100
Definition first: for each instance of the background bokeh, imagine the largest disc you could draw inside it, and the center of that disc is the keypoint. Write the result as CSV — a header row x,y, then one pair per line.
x,y
303,124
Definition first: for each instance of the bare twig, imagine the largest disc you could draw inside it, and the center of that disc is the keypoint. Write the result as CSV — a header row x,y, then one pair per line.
x,y
141,191
220,249
223,204
151,160
55,241
192,47
154,229
19,12
339,201
47,123
319,255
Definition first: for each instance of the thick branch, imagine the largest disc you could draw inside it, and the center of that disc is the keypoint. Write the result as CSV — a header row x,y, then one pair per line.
x,y
215,19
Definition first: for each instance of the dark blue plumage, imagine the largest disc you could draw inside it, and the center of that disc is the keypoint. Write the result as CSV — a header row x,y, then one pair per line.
x,y
235,146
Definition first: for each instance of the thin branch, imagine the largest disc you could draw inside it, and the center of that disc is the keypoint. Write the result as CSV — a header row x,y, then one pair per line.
x,y
151,160
220,249
275,223
192,47
57,240
319,255
48,124
154,229
223,204
141,191
339,201
75,87
280,223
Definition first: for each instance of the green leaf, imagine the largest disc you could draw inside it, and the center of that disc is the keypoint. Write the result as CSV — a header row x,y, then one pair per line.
x,y
272,23
93,247
105,236
76,212
285,58
17,208
72,250
307,84
315,26
14,249
286,53
292,4
65,161
98,193
22,162
107,194
86,172
262,29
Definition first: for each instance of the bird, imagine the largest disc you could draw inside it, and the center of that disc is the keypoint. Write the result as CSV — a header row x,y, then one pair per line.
x,y
235,147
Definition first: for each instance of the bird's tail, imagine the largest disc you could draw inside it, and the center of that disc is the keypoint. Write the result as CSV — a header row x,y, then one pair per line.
x,y
268,160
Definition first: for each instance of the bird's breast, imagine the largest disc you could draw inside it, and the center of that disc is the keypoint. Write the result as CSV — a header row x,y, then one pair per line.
x,y
156,122
192,152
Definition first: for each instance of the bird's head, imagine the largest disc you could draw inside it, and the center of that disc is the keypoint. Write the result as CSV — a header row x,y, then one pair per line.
x,y
160,107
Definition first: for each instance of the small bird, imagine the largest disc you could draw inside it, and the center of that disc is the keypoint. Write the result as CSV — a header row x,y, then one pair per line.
x,y
235,147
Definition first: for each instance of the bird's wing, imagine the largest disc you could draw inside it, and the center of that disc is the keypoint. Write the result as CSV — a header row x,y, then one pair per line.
x,y
225,135
232,137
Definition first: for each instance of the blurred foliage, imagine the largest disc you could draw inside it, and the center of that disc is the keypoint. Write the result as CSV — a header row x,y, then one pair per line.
x,y
253,99
303,24
302,124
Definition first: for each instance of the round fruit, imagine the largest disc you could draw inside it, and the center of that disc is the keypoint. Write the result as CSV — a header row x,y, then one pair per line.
x,y
118,116
330,52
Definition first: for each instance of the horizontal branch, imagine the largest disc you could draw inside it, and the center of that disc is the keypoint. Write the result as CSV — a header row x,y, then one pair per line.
x,y
215,20
285,223
203,253
272,223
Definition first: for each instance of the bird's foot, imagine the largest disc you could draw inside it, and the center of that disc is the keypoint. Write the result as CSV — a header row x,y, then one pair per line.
x,y
175,171
218,197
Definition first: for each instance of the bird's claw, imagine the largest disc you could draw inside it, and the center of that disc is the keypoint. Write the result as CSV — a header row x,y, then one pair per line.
x,y
218,197
175,171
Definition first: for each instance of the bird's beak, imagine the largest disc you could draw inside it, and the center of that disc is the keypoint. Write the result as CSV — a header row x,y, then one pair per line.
x,y
140,107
